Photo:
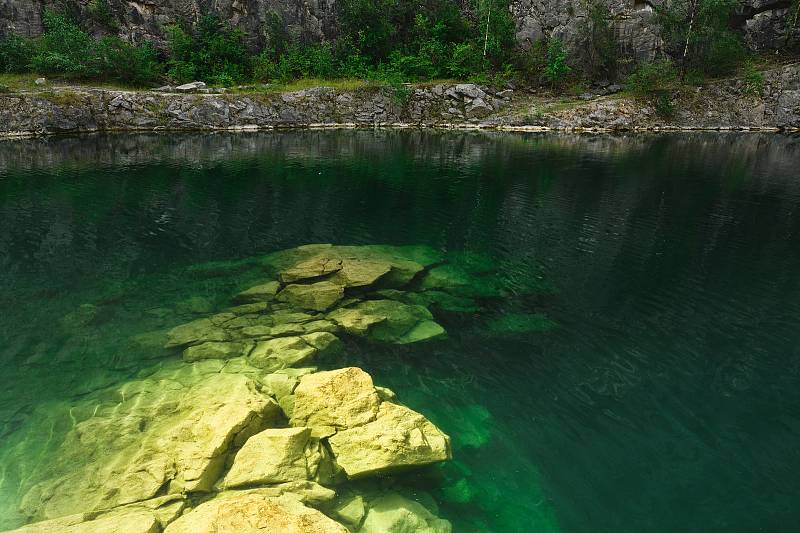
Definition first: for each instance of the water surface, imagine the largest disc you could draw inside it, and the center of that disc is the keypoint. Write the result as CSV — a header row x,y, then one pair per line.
x,y
665,398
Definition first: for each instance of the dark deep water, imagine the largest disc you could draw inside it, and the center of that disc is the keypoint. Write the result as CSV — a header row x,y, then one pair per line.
x,y
667,398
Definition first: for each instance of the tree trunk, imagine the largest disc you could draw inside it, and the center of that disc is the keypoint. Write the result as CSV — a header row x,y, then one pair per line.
x,y
692,15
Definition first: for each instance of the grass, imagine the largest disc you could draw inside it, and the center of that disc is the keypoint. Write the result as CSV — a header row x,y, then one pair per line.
x,y
309,83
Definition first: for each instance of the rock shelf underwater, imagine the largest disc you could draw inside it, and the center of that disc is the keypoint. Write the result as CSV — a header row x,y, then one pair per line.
x,y
249,429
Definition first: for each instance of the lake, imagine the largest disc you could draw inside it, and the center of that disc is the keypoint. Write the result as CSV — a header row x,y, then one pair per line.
x,y
638,371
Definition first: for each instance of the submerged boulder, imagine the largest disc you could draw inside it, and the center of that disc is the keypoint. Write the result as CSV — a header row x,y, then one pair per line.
x,y
133,522
283,352
393,513
388,321
252,512
264,292
271,456
367,435
397,438
169,432
318,296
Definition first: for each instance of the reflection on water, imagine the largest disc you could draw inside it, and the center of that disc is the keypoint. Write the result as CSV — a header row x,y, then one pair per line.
x,y
664,400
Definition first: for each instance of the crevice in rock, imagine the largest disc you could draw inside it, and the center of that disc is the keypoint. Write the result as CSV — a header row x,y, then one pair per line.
x,y
745,13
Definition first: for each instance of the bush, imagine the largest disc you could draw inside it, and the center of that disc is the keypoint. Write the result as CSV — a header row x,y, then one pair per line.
x,y
16,54
652,78
65,49
556,69
210,50
129,64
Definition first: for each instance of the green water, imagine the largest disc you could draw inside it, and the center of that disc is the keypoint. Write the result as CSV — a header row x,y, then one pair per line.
x,y
666,398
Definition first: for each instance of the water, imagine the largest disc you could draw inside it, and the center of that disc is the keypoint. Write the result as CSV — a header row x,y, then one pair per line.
x,y
665,399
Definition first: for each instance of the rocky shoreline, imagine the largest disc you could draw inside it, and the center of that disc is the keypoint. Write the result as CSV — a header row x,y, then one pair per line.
x,y
240,427
722,105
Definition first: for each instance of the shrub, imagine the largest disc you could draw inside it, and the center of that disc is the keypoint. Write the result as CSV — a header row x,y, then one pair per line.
x,y
652,78
753,80
556,69
210,50
129,64
65,48
16,54
598,34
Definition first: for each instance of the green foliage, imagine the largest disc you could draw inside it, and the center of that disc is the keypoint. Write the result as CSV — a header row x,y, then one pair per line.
x,y
129,64
313,61
652,78
598,35
753,80
65,48
713,48
654,82
16,54
556,68
208,50
100,11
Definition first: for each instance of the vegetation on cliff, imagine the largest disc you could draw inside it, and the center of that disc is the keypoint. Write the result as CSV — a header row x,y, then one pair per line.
x,y
392,41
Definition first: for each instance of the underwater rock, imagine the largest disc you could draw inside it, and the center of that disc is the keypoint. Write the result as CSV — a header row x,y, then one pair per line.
x,y
82,317
136,522
457,280
167,433
388,321
195,332
371,436
195,305
215,350
318,296
310,269
337,398
394,513
271,456
264,292
238,513
283,352
350,511
397,438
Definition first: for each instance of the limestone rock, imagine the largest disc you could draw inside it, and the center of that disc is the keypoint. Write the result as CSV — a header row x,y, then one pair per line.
x,y
140,522
388,321
395,514
307,492
195,332
251,513
271,456
397,438
168,432
315,267
318,296
339,398
283,352
260,293
350,511
214,350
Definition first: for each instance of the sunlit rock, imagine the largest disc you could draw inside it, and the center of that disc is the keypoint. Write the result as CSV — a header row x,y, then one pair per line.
x,y
196,332
283,352
398,437
170,432
264,292
350,511
318,296
394,513
388,321
238,513
338,398
137,522
271,456
215,350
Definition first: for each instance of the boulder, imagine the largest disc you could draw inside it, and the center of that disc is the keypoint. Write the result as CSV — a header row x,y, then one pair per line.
x,y
190,87
251,513
397,438
341,398
393,513
318,296
215,350
271,456
315,267
264,292
138,522
195,332
283,352
350,511
167,433
388,321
